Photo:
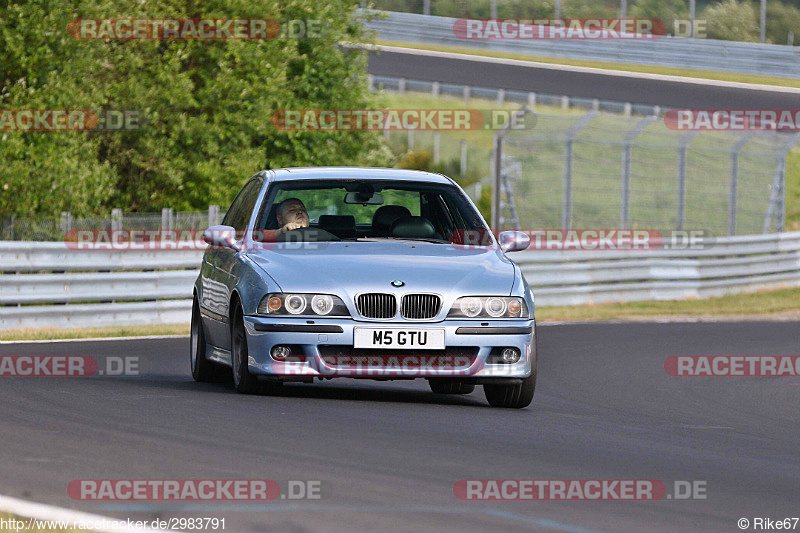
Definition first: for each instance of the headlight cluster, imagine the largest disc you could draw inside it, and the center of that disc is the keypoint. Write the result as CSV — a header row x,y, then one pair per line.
x,y
278,303
489,307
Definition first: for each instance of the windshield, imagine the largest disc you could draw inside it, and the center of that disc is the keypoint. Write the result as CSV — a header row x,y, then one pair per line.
x,y
367,210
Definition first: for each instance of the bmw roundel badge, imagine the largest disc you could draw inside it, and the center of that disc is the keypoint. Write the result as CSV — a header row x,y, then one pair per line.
x,y
397,283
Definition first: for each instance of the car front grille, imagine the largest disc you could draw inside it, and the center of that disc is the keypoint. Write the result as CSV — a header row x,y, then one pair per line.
x,y
377,305
420,306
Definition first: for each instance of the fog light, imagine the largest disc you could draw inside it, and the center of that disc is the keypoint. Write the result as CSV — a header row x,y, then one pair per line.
x,y
509,355
281,352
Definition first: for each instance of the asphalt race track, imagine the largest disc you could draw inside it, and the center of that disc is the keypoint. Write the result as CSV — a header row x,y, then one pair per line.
x,y
388,454
552,80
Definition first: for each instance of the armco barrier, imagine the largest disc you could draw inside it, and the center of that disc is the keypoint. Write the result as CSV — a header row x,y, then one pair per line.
x,y
45,284
732,56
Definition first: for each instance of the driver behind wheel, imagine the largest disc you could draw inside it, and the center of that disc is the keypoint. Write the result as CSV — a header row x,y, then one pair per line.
x,y
291,214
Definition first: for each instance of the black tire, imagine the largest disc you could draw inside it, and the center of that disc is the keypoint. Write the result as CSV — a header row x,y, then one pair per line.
x,y
512,396
202,368
516,396
450,386
243,381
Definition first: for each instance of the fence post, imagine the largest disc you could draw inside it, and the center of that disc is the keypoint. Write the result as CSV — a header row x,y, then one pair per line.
x,y
625,201
566,189
628,108
370,82
116,219
466,93
531,99
497,170
501,96
777,200
12,226
166,219
435,147
410,141
463,157
435,88
683,142
733,194
401,86
497,175
213,215
66,222
565,103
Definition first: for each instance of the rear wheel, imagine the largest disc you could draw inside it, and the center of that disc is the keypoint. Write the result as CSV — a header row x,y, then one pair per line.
x,y
244,382
450,386
202,368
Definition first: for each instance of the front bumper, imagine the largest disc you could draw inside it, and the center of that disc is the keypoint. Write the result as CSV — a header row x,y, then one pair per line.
x,y
324,348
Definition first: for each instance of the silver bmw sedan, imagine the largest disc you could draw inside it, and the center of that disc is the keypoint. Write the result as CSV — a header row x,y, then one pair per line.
x,y
369,273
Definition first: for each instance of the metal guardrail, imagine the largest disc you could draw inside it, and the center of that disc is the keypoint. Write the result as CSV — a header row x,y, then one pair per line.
x,y
731,56
728,265
501,96
45,284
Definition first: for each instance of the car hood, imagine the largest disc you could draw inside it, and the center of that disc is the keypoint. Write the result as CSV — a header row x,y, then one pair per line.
x,y
349,268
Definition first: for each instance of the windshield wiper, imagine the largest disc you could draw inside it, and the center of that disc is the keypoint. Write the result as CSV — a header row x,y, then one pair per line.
x,y
420,239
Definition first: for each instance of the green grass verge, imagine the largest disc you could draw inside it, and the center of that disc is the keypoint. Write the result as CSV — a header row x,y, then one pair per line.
x,y
628,67
780,303
32,334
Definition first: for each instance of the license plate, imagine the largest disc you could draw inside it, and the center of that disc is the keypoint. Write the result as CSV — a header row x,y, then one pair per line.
x,y
399,338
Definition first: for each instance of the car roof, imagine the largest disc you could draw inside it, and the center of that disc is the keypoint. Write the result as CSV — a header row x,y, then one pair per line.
x,y
358,173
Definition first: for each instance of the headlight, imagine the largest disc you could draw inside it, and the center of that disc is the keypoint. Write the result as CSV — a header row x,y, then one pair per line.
x,y
470,307
489,307
279,303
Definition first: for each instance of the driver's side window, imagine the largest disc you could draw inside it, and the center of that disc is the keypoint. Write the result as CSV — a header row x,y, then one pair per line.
x,y
242,207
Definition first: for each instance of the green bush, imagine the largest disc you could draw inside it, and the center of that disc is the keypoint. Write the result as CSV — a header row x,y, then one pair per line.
x,y
208,103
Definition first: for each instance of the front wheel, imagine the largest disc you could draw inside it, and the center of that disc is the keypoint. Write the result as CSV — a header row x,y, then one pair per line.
x,y
244,382
513,396
450,386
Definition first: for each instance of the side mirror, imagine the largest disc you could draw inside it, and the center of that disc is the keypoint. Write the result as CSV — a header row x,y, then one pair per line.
x,y
221,237
513,241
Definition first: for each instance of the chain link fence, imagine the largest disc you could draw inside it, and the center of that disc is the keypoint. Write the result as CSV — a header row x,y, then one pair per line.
x,y
599,170
55,229
602,164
